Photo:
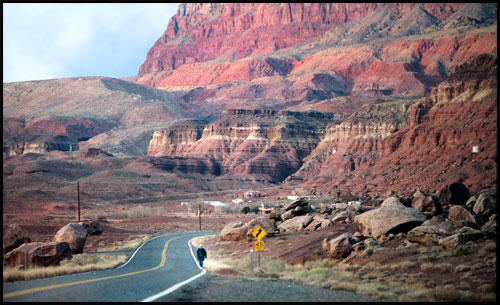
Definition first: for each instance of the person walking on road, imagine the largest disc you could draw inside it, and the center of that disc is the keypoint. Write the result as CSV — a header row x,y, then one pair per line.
x,y
201,254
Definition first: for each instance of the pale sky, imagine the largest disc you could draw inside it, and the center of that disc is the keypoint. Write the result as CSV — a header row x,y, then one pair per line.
x,y
59,40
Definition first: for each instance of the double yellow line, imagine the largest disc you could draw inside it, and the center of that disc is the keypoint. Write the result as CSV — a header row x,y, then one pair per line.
x,y
32,290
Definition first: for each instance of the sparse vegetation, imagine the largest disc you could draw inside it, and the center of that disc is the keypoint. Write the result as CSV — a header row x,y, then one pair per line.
x,y
78,263
402,279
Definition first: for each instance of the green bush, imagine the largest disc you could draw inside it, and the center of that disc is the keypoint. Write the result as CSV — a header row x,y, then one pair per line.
x,y
245,210
368,251
460,250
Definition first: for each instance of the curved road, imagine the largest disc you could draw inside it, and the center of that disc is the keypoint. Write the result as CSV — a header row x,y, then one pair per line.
x,y
153,271
164,269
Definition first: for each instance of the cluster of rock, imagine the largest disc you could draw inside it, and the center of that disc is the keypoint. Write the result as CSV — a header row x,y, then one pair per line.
x,y
448,219
19,251
298,216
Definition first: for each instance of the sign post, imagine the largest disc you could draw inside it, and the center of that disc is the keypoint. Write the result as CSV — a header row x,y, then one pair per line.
x,y
259,233
251,260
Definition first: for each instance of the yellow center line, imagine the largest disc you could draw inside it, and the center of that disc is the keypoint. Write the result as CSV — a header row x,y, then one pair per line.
x,y
32,290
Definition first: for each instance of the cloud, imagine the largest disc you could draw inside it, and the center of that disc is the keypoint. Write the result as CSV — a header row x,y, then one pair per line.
x,y
58,40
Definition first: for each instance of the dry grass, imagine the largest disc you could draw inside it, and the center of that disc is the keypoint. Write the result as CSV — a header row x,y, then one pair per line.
x,y
403,279
78,263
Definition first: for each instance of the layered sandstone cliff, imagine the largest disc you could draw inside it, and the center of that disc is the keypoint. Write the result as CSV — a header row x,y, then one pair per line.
x,y
42,135
434,147
265,143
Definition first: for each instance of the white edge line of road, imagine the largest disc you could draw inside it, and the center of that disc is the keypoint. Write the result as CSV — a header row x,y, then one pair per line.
x,y
136,250
176,286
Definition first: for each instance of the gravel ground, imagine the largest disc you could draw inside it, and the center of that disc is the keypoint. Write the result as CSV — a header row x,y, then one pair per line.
x,y
215,288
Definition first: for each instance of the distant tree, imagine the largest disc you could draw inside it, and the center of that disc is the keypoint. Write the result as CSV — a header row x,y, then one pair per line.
x,y
245,210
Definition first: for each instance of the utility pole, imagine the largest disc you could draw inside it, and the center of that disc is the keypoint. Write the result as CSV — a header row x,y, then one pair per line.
x,y
78,190
199,214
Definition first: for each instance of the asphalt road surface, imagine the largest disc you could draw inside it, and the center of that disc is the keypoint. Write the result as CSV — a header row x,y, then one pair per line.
x,y
163,269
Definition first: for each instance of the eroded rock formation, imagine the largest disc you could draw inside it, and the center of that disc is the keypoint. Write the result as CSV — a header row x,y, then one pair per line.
x,y
266,143
432,149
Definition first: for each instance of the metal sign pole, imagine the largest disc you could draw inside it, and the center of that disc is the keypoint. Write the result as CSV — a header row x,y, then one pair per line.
x,y
251,261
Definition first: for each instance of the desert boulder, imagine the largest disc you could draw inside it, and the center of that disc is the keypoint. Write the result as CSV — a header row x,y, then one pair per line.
x,y
426,203
233,231
393,218
296,224
92,226
38,254
13,237
74,234
486,203
340,246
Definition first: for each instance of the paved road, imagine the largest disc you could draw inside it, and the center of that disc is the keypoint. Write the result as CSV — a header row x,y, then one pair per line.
x,y
158,265
164,269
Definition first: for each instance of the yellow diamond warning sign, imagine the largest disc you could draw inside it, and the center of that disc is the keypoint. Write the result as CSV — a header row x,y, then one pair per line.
x,y
259,233
259,245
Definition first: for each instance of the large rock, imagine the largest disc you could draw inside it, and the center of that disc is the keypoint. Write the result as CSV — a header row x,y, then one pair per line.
x,y
451,242
426,203
344,216
461,216
92,226
74,234
469,233
234,231
301,202
339,247
392,202
453,194
288,215
379,223
425,235
364,244
490,227
486,203
38,254
275,214
296,224
13,237
318,223
441,224
268,224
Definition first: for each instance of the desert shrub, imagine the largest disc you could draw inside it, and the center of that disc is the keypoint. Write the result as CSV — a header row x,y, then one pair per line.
x,y
368,251
435,249
245,210
277,267
446,293
460,250
140,211
461,268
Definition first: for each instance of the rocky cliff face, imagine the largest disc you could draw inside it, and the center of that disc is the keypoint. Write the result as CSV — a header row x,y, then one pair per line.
x,y
265,143
432,149
277,55
41,135
206,31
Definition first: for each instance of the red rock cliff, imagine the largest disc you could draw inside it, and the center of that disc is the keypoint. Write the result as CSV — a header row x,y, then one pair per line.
x,y
206,31
433,149
264,143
